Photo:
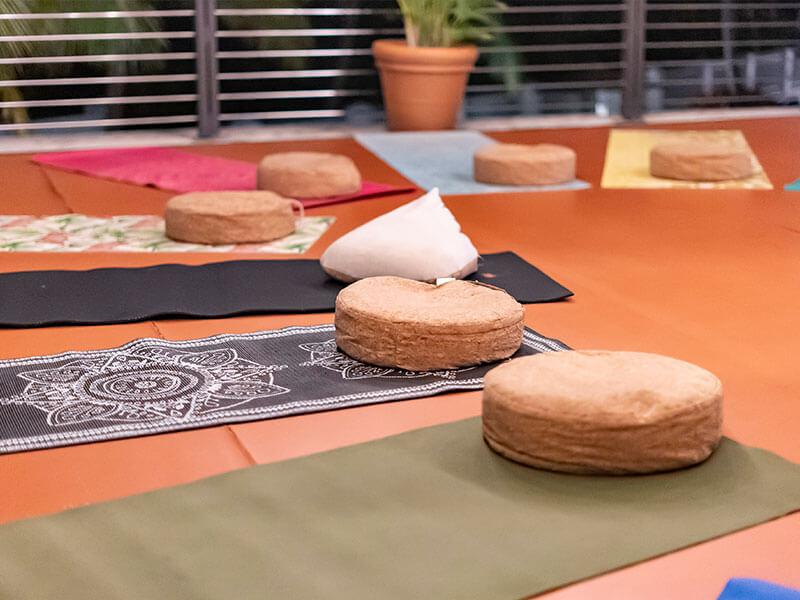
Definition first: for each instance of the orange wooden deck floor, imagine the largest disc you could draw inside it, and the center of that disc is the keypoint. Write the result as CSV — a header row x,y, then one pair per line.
x,y
712,277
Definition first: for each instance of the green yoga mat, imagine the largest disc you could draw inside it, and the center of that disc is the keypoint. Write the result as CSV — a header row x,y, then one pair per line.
x,y
428,514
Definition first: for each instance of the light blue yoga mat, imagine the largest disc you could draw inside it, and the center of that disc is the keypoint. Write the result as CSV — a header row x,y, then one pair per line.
x,y
443,159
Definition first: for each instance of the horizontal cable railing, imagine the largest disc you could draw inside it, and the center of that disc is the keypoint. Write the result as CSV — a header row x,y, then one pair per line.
x,y
105,14
546,57
339,11
680,44
96,80
158,63
88,68
87,58
97,37
90,123
721,54
705,6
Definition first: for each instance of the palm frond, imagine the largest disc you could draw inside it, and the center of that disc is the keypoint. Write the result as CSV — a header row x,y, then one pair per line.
x,y
448,22
9,27
506,64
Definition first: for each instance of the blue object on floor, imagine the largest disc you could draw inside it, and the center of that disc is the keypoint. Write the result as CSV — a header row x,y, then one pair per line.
x,y
793,187
443,159
755,589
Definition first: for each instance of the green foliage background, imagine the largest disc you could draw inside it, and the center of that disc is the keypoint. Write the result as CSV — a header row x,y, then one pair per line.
x,y
448,22
32,27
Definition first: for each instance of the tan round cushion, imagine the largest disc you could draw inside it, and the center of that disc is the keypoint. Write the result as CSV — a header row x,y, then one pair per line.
x,y
518,164
308,174
700,160
396,322
228,217
602,412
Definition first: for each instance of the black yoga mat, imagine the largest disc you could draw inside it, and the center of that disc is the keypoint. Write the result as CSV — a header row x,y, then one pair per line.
x,y
153,385
122,295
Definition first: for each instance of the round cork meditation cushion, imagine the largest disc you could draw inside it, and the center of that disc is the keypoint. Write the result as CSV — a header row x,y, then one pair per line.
x,y
308,174
228,217
518,164
406,324
602,412
700,160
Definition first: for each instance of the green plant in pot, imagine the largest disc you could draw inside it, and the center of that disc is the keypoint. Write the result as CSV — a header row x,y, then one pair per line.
x,y
423,77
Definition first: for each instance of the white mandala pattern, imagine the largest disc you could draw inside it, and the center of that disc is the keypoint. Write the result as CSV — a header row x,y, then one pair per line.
x,y
326,354
149,383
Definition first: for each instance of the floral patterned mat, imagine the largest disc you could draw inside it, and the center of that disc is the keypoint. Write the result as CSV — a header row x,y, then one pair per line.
x,y
131,233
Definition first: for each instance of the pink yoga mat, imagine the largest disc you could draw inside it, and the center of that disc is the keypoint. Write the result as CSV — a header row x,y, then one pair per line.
x,y
179,171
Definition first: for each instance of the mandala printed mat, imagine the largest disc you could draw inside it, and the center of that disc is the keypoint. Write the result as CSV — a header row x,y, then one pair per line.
x,y
153,386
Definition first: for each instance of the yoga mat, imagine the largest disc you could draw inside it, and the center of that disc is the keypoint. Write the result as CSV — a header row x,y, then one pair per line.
x,y
754,589
628,160
123,295
428,514
793,187
179,171
153,386
132,233
443,159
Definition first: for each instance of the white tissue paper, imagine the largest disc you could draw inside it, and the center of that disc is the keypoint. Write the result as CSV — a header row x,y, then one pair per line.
x,y
420,240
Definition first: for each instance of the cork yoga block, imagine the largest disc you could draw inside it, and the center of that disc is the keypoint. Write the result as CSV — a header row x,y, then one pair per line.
x,y
700,160
518,164
602,412
308,175
395,322
228,217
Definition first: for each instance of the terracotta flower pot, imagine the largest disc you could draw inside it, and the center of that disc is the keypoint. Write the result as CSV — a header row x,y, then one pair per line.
x,y
423,88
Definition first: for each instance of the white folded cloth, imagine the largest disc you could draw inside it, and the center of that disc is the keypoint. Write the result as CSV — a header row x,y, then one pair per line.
x,y
420,240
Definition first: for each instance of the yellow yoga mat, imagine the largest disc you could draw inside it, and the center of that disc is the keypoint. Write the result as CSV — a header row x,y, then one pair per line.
x,y
628,160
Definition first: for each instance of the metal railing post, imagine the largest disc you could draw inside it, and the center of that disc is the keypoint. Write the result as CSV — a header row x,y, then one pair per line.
x,y
789,59
635,31
205,20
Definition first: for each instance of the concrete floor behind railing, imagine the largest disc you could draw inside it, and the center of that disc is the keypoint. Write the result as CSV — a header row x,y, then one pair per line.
x,y
75,140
